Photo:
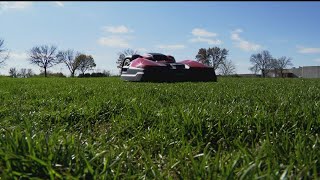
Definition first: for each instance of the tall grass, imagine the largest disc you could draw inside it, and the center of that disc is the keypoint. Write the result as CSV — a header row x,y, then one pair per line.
x,y
103,128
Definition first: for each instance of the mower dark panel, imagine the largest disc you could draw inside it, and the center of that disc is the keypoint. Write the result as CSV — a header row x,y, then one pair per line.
x,y
165,74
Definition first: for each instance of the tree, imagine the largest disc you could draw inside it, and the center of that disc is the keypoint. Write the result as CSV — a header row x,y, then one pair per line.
x,y
23,72
106,73
261,62
44,57
203,56
86,62
275,66
69,59
3,55
123,54
29,73
282,63
13,72
227,68
213,57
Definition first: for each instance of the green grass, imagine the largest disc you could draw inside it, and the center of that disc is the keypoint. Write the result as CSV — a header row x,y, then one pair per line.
x,y
104,128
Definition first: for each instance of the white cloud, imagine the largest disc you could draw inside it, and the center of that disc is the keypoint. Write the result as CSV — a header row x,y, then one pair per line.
x,y
247,46
305,50
241,43
209,41
202,33
18,56
238,31
171,47
15,5
117,29
114,41
59,3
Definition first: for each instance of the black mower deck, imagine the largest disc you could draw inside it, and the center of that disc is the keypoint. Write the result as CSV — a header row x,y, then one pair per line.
x,y
163,74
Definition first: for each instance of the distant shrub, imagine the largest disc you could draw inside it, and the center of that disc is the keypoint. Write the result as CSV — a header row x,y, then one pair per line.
x,y
97,74
50,74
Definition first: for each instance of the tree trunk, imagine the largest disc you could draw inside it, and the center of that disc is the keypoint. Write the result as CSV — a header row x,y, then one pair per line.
x,y
45,72
72,74
263,73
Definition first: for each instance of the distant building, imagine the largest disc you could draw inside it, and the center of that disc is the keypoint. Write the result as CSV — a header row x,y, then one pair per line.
x,y
289,73
301,72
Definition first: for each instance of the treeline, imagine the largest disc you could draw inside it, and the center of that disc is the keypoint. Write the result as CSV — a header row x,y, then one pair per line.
x,y
47,56
27,73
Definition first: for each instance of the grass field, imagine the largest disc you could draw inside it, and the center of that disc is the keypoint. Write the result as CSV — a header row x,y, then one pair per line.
x,y
104,128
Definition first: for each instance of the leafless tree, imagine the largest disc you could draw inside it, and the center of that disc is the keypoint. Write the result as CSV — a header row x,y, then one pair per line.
x,y
218,56
123,54
86,62
69,59
106,73
282,63
213,57
23,72
261,62
275,66
13,72
4,55
29,73
227,68
44,57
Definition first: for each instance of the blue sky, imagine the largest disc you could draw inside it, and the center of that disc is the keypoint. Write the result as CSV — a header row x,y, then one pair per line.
x,y
103,29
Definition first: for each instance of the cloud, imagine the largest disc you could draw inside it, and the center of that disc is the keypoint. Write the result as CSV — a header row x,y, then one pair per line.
x,y
305,50
15,5
237,31
114,41
117,29
59,3
241,43
171,47
18,56
209,41
202,35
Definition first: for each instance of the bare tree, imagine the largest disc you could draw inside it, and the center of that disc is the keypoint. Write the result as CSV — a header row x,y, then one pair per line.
x,y
213,57
23,72
3,53
227,68
44,57
275,66
13,72
123,54
86,62
261,62
106,73
218,56
282,63
29,73
69,59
